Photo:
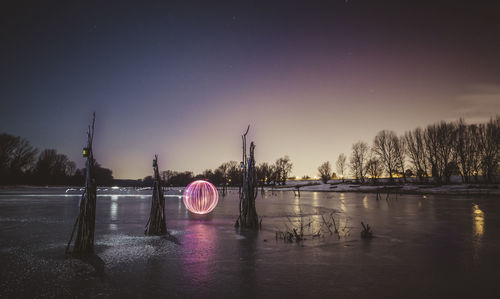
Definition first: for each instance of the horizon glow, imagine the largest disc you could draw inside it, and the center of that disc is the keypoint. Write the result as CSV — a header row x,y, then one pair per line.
x,y
310,79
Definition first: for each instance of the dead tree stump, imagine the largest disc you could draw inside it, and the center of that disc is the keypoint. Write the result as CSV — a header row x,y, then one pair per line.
x,y
248,217
85,221
156,225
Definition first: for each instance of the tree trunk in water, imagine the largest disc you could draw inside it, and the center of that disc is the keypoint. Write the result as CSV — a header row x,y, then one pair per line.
x,y
248,214
156,224
85,222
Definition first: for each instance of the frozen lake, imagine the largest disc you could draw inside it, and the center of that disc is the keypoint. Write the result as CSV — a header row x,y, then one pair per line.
x,y
435,246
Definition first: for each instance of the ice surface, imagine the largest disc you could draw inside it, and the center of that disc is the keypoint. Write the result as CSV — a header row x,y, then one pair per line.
x,y
434,246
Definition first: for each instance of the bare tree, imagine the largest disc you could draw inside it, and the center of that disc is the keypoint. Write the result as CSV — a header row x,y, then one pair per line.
x,y
8,144
431,138
283,168
325,172
70,168
400,150
441,150
475,151
385,146
415,145
358,160
17,157
446,140
464,149
341,165
264,173
207,174
439,143
374,168
166,175
275,175
223,169
489,141
234,173
52,167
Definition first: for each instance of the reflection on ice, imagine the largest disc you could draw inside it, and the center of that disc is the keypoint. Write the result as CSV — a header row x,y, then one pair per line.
x,y
342,205
477,229
478,219
199,252
365,202
315,198
114,210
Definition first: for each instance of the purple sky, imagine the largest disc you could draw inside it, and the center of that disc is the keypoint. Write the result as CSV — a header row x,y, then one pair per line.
x,y
183,79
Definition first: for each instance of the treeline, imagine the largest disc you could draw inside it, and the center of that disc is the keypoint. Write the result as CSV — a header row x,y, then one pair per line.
x,y
21,163
228,174
433,154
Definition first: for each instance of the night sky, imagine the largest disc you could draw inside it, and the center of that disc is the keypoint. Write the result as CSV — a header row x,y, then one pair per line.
x,y
184,78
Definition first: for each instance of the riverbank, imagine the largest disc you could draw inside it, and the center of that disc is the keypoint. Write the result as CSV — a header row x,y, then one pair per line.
x,y
454,189
309,186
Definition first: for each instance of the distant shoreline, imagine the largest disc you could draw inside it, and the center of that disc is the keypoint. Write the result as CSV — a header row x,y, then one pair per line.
x,y
455,189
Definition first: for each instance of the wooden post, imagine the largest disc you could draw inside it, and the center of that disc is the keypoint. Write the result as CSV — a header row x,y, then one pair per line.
x,y
85,221
156,224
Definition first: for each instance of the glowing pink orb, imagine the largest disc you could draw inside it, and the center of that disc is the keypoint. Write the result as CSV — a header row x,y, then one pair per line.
x,y
200,197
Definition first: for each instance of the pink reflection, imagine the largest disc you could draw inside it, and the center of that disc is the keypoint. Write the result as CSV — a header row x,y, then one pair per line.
x,y
198,254
200,197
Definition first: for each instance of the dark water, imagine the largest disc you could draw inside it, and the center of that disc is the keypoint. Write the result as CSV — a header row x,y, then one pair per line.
x,y
423,247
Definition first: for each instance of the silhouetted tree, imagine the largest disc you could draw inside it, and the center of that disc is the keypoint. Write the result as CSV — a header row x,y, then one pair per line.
x,y
464,148
415,142
384,146
208,174
489,145
222,173
446,139
181,179
374,168
103,176
475,151
400,153
234,173
264,173
283,167
431,138
53,168
325,172
17,158
166,176
358,160
341,165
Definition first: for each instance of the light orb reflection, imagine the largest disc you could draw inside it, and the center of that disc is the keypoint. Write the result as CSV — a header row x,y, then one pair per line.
x,y
200,197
